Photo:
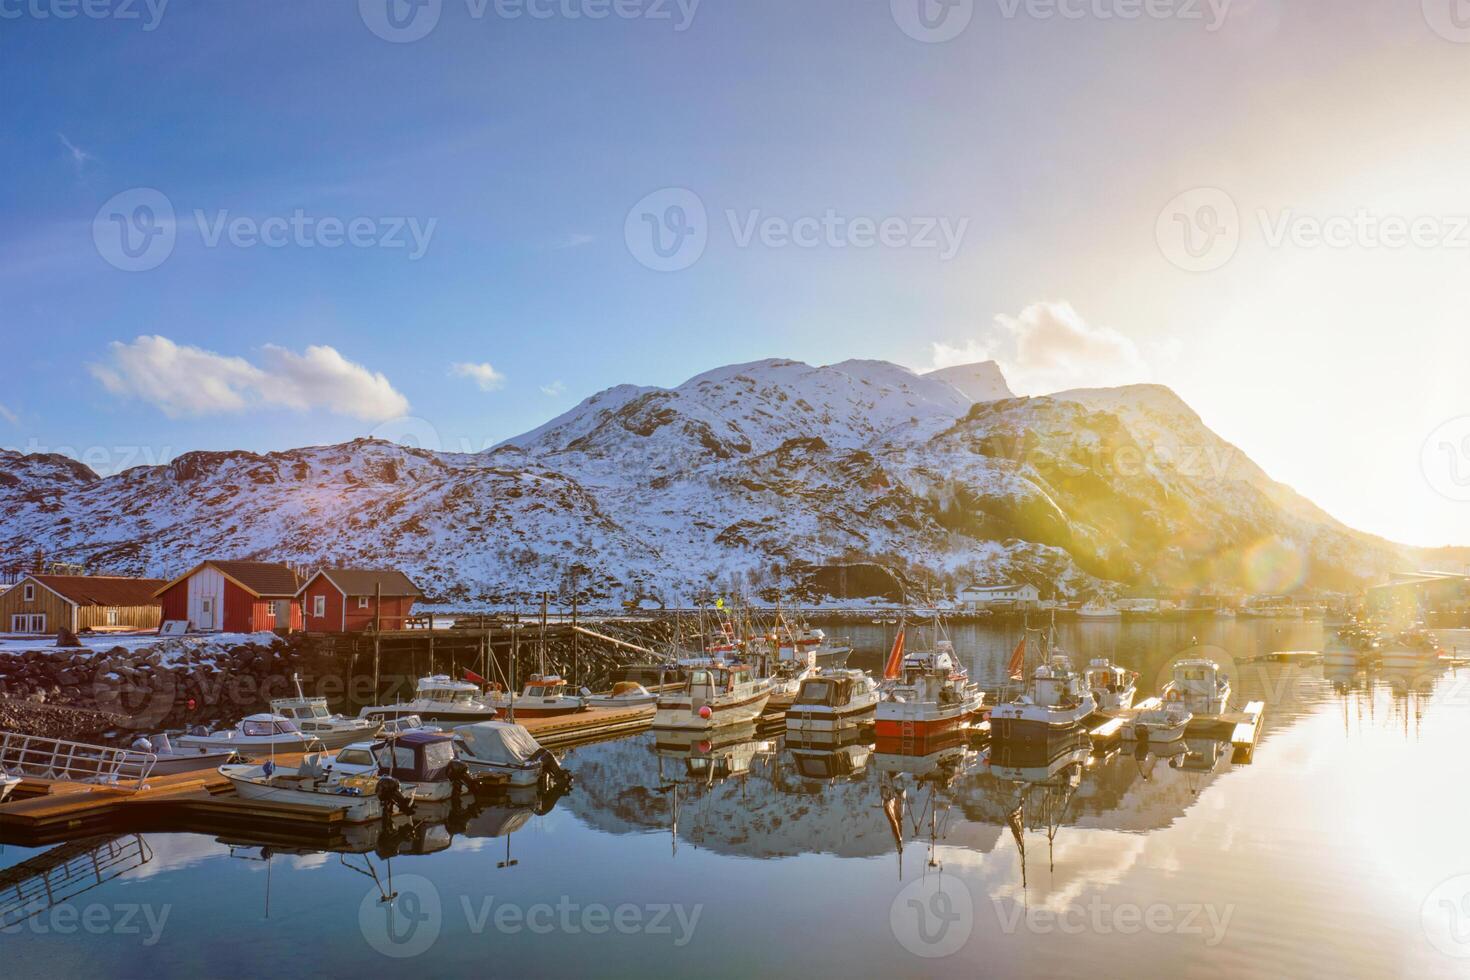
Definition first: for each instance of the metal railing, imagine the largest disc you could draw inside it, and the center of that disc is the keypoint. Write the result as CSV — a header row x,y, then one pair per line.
x,y
53,758
61,874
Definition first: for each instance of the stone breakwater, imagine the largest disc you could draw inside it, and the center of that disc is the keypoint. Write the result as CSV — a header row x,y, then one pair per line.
x,y
113,695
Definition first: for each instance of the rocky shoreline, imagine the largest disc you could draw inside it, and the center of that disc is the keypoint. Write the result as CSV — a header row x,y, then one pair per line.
x,y
114,695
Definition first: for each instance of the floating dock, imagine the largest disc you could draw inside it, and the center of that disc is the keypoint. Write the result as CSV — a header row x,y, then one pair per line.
x,y
1242,729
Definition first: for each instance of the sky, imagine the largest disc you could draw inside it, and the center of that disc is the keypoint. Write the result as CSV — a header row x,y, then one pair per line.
x,y
268,225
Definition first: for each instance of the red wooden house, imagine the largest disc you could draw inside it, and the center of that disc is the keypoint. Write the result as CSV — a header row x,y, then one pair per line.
x,y
234,597
345,600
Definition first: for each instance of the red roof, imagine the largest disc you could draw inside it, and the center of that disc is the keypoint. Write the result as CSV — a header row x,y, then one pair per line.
x,y
263,579
367,581
103,590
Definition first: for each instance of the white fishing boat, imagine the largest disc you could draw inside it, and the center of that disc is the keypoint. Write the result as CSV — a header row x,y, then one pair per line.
x,y
714,695
8,783
1352,644
1200,686
438,698
930,696
1157,725
1098,610
1112,687
625,695
311,784
794,643
1224,613
170,758
839,762
253,734
831,700
1055,704
313,717
1414,647
544,696
510,751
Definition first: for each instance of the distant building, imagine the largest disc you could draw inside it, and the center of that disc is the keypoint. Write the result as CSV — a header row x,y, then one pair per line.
x,y
1418,596
234,597
345,600
996,597
48,603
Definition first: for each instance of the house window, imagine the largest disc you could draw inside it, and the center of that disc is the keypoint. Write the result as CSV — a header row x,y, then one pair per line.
x,y
28,623
111,617
30,595
318,605
362,602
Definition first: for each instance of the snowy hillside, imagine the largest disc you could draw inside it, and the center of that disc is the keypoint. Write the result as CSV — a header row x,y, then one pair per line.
x,y
747,476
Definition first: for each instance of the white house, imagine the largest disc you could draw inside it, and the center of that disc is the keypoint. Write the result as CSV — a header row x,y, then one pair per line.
x,y
1011,596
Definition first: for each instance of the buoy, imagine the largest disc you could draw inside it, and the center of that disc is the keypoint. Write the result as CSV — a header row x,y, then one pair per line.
x,y
192,704
705,712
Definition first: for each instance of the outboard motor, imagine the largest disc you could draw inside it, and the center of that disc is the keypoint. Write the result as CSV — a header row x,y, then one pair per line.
x,y
552,773
459,778
390,794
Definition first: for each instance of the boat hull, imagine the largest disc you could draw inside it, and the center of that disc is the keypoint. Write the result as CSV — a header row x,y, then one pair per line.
x,y
683,715
247,783
805,720
430,715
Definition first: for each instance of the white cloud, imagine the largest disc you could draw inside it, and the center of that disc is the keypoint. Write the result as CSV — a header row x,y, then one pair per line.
x,y
1050,347
481,374
554,390
183,380
575,240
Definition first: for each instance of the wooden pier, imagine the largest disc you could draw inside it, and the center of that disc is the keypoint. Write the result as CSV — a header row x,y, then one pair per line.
x,y
43,811
1242,729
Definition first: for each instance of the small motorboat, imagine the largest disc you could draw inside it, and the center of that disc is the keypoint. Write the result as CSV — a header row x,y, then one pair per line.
x,y
625,694
255,733
1056,704
1200,686
311,784
437,698
544,696
8,783
509,750
1160,725
831,700
170,758
1414,647
714,695
423,765
313,717
1113,688
1099,611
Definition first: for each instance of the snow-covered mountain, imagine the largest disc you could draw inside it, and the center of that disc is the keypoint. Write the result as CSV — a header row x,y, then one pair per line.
x,y
744,476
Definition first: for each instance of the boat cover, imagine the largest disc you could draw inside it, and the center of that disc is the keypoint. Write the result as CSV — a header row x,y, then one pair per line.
x,y
499,742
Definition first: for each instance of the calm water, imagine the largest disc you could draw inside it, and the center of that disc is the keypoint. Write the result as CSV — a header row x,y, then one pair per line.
x,y
1324,856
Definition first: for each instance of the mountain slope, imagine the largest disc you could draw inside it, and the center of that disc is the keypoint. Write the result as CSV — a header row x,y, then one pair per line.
x,y
748,476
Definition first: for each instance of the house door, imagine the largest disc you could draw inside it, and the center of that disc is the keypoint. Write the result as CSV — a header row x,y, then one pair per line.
x,y
206,613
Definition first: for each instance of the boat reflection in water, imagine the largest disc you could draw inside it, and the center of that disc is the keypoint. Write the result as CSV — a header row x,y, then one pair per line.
x,y
840,755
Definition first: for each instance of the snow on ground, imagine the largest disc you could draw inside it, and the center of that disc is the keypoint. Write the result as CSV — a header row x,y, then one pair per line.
x,y
173,647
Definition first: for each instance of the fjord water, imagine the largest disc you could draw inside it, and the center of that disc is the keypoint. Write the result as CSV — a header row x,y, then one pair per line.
x,y
1326,855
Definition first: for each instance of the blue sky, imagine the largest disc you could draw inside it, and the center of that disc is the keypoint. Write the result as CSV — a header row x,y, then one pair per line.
x,y
522,144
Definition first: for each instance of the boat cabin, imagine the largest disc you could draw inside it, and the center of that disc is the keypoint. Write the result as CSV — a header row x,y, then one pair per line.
x,y
549,686
441,687
265,726
1053,687
301,709
717,680
1104,675
832,691
1197,677
416,757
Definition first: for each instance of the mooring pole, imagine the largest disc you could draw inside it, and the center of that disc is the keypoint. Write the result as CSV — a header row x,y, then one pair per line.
x,y
377,636
576,646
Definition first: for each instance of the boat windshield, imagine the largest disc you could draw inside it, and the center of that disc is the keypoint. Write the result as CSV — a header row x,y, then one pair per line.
x,y
439,754
356,757
817,691
260,729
